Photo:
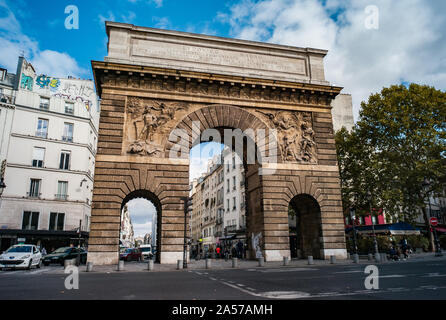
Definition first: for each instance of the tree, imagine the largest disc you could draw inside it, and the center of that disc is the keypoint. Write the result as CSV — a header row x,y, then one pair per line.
x,y
398,142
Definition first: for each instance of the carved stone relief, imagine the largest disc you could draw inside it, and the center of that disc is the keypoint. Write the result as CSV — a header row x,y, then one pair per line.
x,y
218,89
146,125
295,135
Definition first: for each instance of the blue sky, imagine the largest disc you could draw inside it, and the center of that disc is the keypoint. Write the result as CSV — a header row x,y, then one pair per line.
x,y
44,21
408,44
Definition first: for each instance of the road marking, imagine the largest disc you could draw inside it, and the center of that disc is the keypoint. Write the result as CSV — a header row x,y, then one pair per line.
x,y
213,279
286,270
393,276
432,275
356,271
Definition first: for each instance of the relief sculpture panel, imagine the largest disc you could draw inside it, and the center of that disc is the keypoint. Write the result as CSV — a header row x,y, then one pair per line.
x,y
295,135
148,123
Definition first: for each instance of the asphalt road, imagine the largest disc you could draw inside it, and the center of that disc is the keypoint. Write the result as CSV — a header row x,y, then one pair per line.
x,y
418,280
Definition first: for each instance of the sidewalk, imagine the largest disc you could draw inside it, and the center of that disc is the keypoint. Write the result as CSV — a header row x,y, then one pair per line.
x,y
221,264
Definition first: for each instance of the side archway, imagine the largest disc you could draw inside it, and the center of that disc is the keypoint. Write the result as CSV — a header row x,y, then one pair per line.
x,y
150,196
305,214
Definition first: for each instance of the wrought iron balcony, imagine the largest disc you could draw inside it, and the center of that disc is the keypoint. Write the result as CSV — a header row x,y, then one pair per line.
x,y
62,197
33,195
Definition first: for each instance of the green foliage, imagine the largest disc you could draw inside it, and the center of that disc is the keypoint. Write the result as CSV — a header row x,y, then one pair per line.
x,y
399,141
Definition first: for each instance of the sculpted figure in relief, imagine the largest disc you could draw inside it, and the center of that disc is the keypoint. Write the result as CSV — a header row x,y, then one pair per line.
x,y
147,118
295,135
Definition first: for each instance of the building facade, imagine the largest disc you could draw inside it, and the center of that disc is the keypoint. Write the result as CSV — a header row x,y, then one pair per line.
x,y
218,213
50,158
127,236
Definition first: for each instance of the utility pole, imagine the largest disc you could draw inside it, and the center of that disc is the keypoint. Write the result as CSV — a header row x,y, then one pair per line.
x,y
187,209
79,245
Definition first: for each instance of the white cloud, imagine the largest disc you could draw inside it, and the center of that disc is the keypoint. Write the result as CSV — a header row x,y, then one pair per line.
x,y
408,46
142,213
158,3
13,43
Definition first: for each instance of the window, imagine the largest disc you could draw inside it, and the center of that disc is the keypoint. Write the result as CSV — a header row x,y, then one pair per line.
x,y
68,132
233,162
62,188
42,128
234,204
64,163
227,206
57,221
38,157
34,190
30,220
44,103
227,183
234,182
69,107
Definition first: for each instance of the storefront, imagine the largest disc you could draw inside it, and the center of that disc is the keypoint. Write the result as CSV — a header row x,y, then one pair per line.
x,y
50,240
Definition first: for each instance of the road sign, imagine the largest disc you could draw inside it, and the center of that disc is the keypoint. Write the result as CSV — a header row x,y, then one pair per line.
x,y
434,221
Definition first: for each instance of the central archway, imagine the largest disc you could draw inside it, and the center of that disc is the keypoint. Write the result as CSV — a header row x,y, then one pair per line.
x,y
237,128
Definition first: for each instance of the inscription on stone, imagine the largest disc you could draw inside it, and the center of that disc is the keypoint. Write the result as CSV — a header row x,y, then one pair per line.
x,y
207,55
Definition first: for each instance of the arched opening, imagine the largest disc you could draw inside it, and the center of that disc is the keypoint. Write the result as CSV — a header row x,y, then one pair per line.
x,y
140,227
304,215
225,185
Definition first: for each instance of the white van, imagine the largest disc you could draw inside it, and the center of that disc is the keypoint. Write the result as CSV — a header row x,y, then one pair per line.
x,y
146,250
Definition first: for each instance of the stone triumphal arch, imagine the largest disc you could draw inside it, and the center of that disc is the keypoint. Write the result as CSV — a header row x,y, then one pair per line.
x,y
161,89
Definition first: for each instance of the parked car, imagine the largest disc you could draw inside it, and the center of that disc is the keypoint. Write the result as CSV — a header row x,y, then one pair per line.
x,y
146,250
65,253
21,256
131,254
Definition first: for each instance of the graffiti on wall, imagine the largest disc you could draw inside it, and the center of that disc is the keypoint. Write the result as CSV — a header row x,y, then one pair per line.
x,y
256,244
44,82
26,82
76,92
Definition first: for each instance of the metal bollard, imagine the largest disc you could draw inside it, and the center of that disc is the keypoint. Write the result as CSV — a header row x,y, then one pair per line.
x,y
370,256
208,263
150,265
332,259
261,262
121,265
286,261
234,262
377,257
356,258
310,260
179,264
89,266
348,256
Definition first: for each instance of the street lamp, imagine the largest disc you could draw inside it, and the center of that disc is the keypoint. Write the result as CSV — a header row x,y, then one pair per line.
x,y
369,198
438,253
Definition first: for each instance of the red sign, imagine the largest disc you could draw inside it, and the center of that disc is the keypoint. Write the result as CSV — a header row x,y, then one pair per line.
x,y
434,221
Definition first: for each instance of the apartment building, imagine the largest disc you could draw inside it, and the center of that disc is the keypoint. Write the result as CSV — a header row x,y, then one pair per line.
x,y
49,153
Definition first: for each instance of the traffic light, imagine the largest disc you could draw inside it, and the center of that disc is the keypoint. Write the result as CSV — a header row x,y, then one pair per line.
x,y
187,205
